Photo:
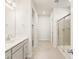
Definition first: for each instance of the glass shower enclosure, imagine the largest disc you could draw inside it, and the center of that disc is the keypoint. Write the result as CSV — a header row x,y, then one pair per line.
x,y
64,34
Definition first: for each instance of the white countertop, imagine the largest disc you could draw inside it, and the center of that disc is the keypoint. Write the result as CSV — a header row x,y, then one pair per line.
x,y
13,42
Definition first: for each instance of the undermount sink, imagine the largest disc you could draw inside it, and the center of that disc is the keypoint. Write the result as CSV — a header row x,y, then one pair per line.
x,y
9,41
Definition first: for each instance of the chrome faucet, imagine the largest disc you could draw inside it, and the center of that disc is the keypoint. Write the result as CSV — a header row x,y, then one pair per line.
x,y
70,51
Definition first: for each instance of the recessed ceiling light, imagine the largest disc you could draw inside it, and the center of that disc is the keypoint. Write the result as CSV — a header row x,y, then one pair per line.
x,y
44,12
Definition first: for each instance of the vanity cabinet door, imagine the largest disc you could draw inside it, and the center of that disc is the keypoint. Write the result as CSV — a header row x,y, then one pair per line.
x,y
18,54
8,55
25,51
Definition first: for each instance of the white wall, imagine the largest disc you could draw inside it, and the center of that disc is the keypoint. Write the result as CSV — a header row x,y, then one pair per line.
x,y
44,29
22,17
57,14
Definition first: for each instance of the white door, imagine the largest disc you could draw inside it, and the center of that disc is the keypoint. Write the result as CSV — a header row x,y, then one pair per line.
x,y
44,28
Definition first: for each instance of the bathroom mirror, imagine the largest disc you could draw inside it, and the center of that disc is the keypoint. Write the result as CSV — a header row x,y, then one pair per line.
x,y
9,21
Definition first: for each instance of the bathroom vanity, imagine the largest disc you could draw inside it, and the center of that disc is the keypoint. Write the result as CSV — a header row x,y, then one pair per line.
x,y
16,48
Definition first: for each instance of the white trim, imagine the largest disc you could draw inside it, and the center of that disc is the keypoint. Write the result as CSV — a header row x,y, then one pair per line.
x,y
51,24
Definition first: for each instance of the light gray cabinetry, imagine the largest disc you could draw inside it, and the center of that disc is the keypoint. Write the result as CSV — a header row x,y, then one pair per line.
x,y
8,55
19,51
25,49
18,54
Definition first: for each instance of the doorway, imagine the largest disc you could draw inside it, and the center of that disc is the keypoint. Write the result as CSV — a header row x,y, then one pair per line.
x,y
44,28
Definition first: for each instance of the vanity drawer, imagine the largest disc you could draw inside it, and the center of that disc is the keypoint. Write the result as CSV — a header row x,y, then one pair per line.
x,y
8,54
25,51
18,46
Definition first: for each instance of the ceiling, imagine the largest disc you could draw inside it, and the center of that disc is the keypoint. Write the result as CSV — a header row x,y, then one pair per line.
x,y
44,7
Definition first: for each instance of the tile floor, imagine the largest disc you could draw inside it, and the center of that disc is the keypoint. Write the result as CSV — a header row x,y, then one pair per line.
x,y
46,51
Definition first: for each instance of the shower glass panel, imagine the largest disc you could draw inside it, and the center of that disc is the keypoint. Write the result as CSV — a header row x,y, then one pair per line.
x,y
64,40
60,33
67,35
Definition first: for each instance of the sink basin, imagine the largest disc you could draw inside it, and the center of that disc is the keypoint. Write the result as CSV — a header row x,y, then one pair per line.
x,y
9,41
